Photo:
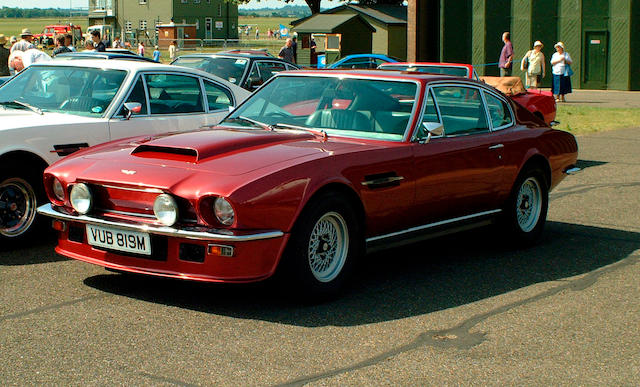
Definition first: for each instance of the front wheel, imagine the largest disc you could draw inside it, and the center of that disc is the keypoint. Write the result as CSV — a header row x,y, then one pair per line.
x,y
18,202
324,246
526,210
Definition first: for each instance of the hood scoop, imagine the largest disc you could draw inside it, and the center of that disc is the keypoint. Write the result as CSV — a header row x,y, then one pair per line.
x,y
189,155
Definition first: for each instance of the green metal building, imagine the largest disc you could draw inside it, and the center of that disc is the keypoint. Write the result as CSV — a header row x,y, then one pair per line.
x,y
602,36
214,19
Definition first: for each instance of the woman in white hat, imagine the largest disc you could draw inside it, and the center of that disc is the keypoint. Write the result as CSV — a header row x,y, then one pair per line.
x,y
561,69
534,64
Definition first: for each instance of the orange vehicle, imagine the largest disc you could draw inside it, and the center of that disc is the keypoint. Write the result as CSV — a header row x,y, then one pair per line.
x,y
47,37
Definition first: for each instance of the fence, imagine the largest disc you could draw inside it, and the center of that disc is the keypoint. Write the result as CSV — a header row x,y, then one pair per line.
x,y
270,45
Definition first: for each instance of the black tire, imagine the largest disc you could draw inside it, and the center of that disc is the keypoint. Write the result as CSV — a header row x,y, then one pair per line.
x,y
330,224
20,196
526,210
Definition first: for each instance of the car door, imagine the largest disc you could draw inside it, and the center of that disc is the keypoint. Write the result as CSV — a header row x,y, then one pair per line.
x,y
170,102
458,173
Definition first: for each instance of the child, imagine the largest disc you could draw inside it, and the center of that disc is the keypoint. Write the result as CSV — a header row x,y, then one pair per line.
x,y
156,54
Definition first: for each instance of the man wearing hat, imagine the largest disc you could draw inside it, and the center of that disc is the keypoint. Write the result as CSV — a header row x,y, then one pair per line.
x,y
25,42
4,57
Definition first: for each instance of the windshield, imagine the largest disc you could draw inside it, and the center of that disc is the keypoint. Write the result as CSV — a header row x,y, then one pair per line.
x,y
72,90
446,70
230,69
363,108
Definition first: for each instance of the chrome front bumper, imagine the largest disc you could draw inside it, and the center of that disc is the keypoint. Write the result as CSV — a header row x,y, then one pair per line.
x,y
199,233
572,170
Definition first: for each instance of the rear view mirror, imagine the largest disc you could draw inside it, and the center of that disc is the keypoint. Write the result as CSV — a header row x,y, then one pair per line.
x,y
432,129
131,108
254,83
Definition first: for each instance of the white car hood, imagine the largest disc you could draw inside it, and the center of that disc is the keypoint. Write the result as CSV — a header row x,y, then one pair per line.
x,y
23,118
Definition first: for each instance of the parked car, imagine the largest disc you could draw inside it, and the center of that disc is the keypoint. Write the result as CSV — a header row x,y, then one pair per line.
x,y
311,171
540,103
52,109
103,55
362,61
4,79
247,70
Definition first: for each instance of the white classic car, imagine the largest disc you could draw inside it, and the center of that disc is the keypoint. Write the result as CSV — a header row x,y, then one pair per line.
x,y
53,109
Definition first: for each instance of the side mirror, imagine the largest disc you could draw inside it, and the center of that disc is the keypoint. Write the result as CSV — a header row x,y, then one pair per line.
x,y
432,129
131,108
554,123
254,83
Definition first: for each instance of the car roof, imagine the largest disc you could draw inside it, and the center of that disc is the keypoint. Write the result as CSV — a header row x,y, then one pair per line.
x,y
231,55
116,64
379,74
450,64
104,55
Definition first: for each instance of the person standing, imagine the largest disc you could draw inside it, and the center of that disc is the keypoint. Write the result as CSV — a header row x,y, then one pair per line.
x,y
60,47
172,50
314,54
25,43
257,33
156,54
561,70
294,47
534,64
68,42
286,52
88,46
141,48
116,43
4,57
506,56
97,42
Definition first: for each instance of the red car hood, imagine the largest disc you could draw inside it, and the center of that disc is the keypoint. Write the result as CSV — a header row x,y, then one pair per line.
x,y
167,160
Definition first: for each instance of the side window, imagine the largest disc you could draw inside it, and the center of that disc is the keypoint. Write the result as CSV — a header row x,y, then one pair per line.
x,y
169,94
498,111
254,76
268,69
430,115
217,97
137,95
291,67
462,110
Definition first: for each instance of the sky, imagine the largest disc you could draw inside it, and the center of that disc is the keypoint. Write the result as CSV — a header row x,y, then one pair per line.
x,y
84,3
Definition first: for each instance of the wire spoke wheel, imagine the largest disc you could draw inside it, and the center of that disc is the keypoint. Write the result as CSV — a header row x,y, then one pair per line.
x,y
17,207
528,204
328,246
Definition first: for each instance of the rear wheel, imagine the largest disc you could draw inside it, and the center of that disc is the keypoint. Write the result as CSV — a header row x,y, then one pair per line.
x,y
19,198
526,210
323,248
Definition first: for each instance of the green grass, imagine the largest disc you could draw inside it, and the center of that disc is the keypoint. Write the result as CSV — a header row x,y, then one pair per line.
x,y
264,23
588,119
11,27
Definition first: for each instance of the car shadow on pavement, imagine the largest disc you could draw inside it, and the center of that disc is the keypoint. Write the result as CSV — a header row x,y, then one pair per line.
x,y
39,249
422,278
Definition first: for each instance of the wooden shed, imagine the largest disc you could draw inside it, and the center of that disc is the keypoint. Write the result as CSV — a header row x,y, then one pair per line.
x,y
335,36
184,34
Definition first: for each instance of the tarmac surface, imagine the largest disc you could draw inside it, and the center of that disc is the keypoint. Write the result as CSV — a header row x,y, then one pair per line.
x,y
459,310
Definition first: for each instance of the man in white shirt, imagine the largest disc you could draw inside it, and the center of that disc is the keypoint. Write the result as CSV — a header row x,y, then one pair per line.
x,y
25,43
20,60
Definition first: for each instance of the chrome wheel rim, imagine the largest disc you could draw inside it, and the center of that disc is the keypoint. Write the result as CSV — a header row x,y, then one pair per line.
x,y
17,207
328,247
529,204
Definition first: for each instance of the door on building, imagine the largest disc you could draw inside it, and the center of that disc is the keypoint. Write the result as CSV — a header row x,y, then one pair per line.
x,y
208,30
596,55
180,36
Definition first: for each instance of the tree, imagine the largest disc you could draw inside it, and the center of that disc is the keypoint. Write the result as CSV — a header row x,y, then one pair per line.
x,y
314,5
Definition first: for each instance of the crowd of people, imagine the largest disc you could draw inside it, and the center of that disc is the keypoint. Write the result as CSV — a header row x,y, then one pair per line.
x,y
534,65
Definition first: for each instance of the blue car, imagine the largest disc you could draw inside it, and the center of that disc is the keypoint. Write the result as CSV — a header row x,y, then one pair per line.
x,y
362,61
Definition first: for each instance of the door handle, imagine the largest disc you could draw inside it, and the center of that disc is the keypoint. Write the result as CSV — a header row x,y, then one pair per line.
x,y
497,146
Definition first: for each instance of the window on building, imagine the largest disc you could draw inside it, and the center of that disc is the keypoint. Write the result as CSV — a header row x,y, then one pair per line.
x,y
184,1
208,1
143,24
196,1
127,26
219,9
142,2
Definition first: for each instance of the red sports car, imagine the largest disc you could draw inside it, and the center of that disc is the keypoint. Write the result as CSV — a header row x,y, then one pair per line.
x,y
382,158
541,103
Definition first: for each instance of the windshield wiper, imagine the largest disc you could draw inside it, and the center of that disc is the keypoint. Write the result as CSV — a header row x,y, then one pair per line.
x,y
22,104
296,127
254,122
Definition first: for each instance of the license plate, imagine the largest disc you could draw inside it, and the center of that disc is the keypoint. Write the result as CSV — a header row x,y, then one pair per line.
x,y
117,239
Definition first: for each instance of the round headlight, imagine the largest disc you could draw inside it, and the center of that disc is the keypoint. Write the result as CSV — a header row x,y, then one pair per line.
x,y
224,212
166,209
58,190
81,199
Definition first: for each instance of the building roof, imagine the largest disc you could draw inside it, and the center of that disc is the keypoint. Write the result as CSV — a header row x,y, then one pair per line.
x,y
327,23
388,14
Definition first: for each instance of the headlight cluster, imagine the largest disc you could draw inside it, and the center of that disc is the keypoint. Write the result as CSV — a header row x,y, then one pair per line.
x,y
81,198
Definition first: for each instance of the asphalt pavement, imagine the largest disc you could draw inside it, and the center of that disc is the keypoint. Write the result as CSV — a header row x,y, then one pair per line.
x,y
461,310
